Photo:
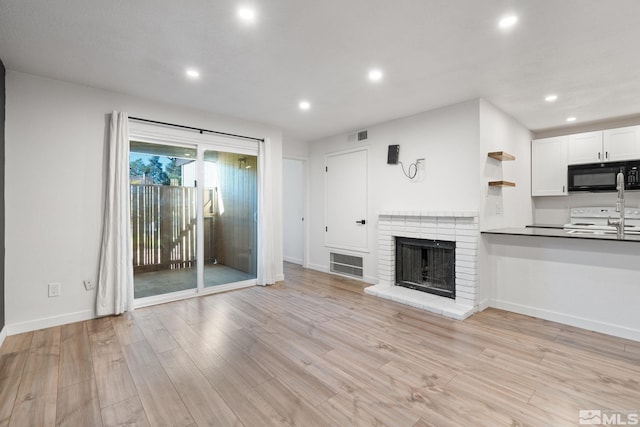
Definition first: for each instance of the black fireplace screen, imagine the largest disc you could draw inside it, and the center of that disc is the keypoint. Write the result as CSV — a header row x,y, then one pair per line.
x,y
426,265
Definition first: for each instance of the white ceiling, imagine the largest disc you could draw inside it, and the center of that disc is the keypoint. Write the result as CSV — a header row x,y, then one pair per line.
x,y
433,53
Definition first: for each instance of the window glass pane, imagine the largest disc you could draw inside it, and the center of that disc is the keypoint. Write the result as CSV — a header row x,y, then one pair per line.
x,y
230,218
163,218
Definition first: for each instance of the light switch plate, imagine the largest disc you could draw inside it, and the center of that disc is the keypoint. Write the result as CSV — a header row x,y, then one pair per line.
x,y
54,290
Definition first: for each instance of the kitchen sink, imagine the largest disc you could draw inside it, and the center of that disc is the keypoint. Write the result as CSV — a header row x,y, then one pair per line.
x,y
590,232
597,232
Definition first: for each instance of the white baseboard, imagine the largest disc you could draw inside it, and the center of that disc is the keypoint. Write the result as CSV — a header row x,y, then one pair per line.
x,y
48,322
3,335
293,260
318,267
484,304
568,319
371,280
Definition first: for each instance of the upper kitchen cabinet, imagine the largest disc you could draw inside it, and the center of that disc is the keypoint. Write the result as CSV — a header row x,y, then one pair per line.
x,y
622,143
611,145
549,166
586,148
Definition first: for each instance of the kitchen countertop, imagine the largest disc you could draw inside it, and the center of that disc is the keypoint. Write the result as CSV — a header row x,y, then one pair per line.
x,y
548,231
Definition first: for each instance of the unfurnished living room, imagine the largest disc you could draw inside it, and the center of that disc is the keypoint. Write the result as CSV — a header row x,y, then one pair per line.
x,y
294,213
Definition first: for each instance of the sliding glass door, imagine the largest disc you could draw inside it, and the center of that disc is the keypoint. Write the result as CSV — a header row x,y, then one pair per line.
x,y
163,218
230,217
193,219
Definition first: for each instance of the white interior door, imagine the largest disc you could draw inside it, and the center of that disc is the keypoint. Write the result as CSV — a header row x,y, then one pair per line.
x,y
293,210
346,200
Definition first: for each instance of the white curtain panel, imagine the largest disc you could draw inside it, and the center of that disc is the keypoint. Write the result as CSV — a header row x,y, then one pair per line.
x,y
266,261
115,278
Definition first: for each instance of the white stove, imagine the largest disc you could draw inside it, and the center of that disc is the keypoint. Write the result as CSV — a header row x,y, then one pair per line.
x,y
595,218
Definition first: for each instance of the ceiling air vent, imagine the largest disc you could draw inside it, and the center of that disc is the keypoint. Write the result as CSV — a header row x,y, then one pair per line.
x,y
358,136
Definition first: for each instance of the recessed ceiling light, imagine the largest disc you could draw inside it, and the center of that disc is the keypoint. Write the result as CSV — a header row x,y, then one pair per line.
x,y
551,98
247,14
192,73
571,119
304,105
187,154
508,21
375,75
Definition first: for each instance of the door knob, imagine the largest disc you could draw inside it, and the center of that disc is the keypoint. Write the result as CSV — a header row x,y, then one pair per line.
x,y
362,221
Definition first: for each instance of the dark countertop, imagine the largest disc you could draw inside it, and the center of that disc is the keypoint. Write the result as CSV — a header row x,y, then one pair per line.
x,y
559,226
535,231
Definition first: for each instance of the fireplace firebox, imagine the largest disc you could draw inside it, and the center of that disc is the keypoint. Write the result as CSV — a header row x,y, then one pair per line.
x,y
426,265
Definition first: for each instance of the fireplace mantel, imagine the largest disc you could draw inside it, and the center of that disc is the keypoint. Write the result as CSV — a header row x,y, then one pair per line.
x,y
461,227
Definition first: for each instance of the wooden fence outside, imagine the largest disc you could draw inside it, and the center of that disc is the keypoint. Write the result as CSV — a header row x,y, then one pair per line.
x,y
163,225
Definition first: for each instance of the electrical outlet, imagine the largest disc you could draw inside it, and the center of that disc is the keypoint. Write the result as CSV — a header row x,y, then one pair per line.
x,y
54,290
89,284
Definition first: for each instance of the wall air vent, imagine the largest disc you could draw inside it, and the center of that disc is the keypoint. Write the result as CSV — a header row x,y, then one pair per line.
x,y
359,136
349,265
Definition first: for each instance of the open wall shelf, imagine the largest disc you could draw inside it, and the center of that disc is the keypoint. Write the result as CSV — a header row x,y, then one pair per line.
x,y
501,184
503,156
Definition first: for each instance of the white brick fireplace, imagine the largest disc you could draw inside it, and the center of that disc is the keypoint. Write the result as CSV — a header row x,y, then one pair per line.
x,y
458,227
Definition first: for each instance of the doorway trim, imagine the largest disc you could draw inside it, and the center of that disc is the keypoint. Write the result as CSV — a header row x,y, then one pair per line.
x,y
305,228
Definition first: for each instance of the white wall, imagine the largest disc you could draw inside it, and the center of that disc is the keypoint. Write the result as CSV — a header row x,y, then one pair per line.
x,y
501,206
295,148
447,138
55,157
504,206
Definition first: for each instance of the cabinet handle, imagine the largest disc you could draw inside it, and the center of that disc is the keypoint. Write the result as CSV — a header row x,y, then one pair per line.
x,y
606,155
563,188
598,155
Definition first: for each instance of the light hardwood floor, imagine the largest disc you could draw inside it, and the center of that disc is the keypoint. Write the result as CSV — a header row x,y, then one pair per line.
x,y
312,351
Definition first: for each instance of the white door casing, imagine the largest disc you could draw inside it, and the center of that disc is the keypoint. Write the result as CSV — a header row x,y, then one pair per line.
x,y
293,210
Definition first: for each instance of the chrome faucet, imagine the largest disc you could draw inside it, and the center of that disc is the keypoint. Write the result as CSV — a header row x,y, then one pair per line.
x,y
620,208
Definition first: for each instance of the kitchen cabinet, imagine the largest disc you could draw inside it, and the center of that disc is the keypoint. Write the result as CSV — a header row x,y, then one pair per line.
x,y
622,143
586,148
611,145
549,166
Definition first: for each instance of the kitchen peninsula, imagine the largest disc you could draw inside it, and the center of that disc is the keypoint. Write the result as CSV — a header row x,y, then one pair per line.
x,y
587,280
